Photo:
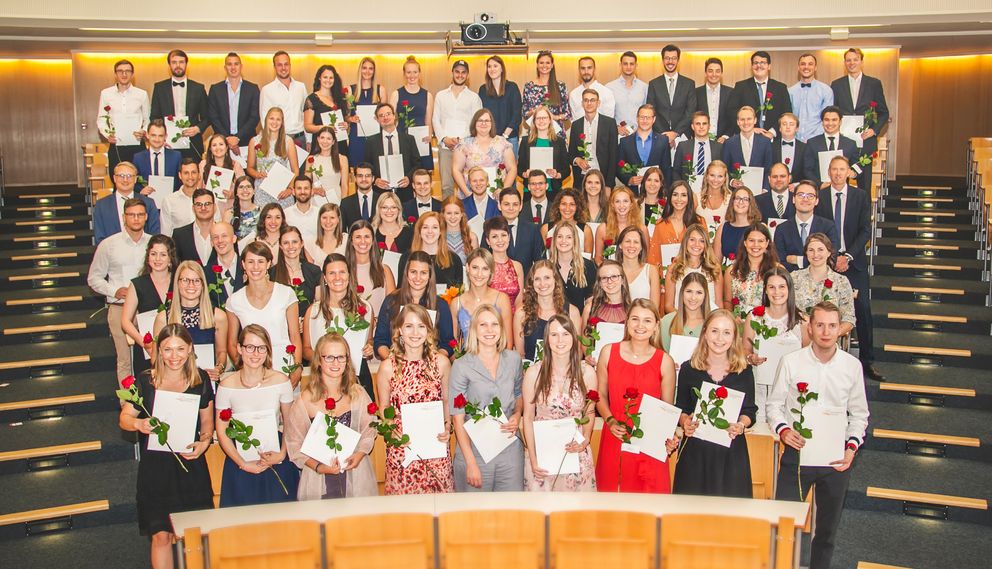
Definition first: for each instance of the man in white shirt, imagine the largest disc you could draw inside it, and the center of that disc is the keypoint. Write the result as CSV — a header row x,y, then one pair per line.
x,y
117,260
713,98
124,106
587,76
177,208
536,206
630,92
809,97
453,111
302,214
835,377
289,95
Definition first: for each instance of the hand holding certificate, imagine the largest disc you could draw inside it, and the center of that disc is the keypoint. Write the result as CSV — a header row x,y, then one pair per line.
x,y
716,408
316,444
658,421
828,426
550,439
276,180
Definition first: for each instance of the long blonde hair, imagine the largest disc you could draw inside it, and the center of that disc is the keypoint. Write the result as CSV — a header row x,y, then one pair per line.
x,y
709,263
190,373
263,136
552,135
315,385
646,304
724,190
735,355
443,253
390,196
677,326
472,343
206,308
578,261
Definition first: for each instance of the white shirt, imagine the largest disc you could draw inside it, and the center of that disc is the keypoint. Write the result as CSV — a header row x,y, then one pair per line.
x,y
671,83
837,383
607,103
117,260
272,317
307,222
230,271
289,99
203,245
395,139
132,101
177,211
157,155
855,84
453,113
843,210
713,106
179,96
544,210
707,155
747,143
627,99
789,152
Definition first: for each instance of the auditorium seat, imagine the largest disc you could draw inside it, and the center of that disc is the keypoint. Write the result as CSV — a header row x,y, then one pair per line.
x,y
602,539
493,539
277,544
703,542
381,541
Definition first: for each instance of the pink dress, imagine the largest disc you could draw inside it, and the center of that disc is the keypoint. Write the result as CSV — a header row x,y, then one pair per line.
x,y
505,280
560,405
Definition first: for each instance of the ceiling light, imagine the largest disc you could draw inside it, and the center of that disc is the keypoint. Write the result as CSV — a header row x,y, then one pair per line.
x,y
137,30
219,31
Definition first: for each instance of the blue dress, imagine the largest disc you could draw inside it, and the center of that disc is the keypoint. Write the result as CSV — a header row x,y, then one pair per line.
x,y
418,112
731,238
530,340
356,143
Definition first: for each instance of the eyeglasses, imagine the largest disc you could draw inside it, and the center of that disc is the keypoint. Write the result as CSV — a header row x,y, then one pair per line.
x,y
334,359
486,121
609,278
253,349
806,196
203,205
742,199
185,281
124,176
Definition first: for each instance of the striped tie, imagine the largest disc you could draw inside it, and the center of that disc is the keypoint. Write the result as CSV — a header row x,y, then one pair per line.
x,y
700,158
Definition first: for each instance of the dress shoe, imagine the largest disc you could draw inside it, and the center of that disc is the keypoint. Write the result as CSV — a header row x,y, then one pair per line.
x,y
872,373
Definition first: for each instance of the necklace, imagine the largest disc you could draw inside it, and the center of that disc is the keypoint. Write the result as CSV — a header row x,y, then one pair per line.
x,y
241,378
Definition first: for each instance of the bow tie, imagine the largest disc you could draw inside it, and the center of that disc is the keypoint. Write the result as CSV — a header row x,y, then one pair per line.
x,y
178,83
427,205
805,85
784,143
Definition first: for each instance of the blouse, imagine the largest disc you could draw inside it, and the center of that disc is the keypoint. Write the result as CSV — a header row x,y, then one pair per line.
x,y
666,330
809,293
476,155
469,377
272,316
534,96
506,109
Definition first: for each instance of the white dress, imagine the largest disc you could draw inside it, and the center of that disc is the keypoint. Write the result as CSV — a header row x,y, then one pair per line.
x,y
371,294
318,255
709,214
640,287
263,398
330,181
272,317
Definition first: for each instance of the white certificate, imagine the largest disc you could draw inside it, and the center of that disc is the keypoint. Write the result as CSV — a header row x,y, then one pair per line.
x,y
681,348
829,426
475,226
356,342
456,128
392,260
334,118
423,422
219,181
419,133
773,223
824,158
658,421
206,356
163,187
609,333
367,125
668,253
179,411
441,288
315,443
276,180
146,325
174,135
264,429
550,439
753,177
491,172
696,185
391,169
487,438
773,349
542,158
241,158
433,315
301,159
849,125
732,411
124,126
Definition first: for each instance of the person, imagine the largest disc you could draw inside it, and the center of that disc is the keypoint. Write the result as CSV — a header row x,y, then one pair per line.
x,y
629,91
232,105
526,244
542,300
180,96
117,260
327,101
557,388
270,147
791,235
742,214
292,269
157,159
109,210
642,277
673,97
417,286
244,213
747,148
610,300
255,387
547,91
705,467
415,372
544,135
288,94
508,274
415,106
273,220
395,232
850,210
148,293
218,155
713,98
587,80
830,141
454,107
191,308
486,150
644,149
787,148
278,314
364,256
488,371
365,91
537,206
819,281
193,239
480,270
447,267
361,204
565,208
678,215
859,94
714,197
622,213
576,272
591,142
501,97
164,485
745,279
691,309
651,202
693,156
766,96
480,201
626,372
809,96
125,105
301,213
834,375
423,199
460,240
777,202
390,141
226,271
333,380
694,256
595,196
327,166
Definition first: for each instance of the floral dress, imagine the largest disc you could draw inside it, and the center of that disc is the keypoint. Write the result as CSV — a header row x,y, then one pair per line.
x,y
749,290
505,280
264,164
534,95
475,155
560,405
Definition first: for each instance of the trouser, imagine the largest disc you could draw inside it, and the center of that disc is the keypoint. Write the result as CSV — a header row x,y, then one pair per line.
x,y
118,153
300,139
121,346
761,393
444,161
864,326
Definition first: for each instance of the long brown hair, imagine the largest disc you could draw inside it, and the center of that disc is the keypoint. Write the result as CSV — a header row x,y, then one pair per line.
x,y
599,295
376,272
709,264
742,265
604,201
170,247
529,302
260,231
491,89
315,385
404,294
463,229
191,375
349,302
280,149
689,215
398,351
338,231
554,215
655,339
262,334
282,268
753,213
574,374
554,97
335,154
793,315
208,158
677,326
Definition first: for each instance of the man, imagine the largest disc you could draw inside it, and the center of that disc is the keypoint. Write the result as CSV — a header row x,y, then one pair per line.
x,y
193,241
831,140
180,96
857,94
598,133
423,201
850,210
117,260
673,97
126,106
390,142
526,244
629,92
644,148
791,234
769,98
157,160
692,157
479,202
108,210
225,258
453,111
747,147
713,98
289,95
809,97
587,78
535,207
361,204
835,377
232,105
787,148
177,207
776,203
302,214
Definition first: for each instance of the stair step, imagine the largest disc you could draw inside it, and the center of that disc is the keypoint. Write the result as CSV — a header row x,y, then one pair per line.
x,y
929,290
40,452
47,402
962,231
926,438
95,540
927,216
930,351
49,241
57,357
54,512
927,498
933,348
67,297
44,362
869,565
927,248
927,389
931,317
954,432
965,269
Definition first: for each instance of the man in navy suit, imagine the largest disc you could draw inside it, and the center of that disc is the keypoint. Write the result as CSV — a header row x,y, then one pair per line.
x,y
224,266
776,203
673,97
390,141
157,160
194,241
787,148
599,133
849,209
180,96
769,98
479,202
644,148
526,244
537,206
233,105
791,235
713,98
830,140
693,156
747,147
856,94
422,201
109,210
361,204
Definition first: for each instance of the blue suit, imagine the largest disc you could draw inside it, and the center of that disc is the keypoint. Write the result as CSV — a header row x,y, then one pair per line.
x,y
659,156
107,220
492,209
787,241
761,154
173,158
528,247
766,205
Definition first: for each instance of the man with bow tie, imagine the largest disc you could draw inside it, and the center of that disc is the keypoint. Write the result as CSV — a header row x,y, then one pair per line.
x,y
809,98
787,148
180,96
423,201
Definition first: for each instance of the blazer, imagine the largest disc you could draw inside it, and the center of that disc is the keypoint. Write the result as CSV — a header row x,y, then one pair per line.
x,y
761,154
492,208
173,158
237,282
107,221
787,241
219,111
798,165
410,207
606,147
675,114
856,229
383,335
688,147
817,144
351,208
163,105
702,105
871,90
766,205
528,211
374,148
746,93
660,156
559,162
186,244
528,246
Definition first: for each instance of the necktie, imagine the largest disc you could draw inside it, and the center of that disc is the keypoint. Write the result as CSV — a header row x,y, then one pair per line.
x,y
837,214
784,143
761,102
700,158
802,233
746,149
512,225
389,139
671,90
831,139
178,83
540,216
365,208
155,168
780,206
805,85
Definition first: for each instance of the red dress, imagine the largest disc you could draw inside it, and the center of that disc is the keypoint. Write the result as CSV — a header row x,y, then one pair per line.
x,y
641,473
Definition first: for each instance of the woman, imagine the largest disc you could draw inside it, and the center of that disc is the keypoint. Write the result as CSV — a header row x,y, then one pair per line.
x,y
460,240
707,468
293,270
255,388
652,205
417,287
486,372
742,214
610,296
427,238
327,167
218,155
621,214
643,277
271,222
819,282
414,106
595,196
206,325
365,92
565,207
481,268
271,305
390,227
333,379
373,278
694,256
744,281
692,308
501,97
577,272
148,293
714,196
164,487
544,135
485,149
556,388
270,147
331,237
678,214
508,274
327,97
627,371
543,298
547,91
244,213
416,372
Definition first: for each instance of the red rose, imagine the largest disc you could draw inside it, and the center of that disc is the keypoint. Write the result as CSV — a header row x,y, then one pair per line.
x,y
873,104
593,396
217,269
225,414
582,136
737,165
787,160
170,118
411,219
460,401
621,163
148,338
721,392
310,160
359,289
758,311
127,382
735,301
452,343
802,386
344,90
874,154
623,123
547,95
772,223
291,349
827,283
362,310
501,166
594,320
168,296
107,108
536,219
334,107
372,408
732,256
607,242
631,393
382,245
297,281
768,96
662,202
404,102
330,403
217,173
258,146
547,243
716,219
688,157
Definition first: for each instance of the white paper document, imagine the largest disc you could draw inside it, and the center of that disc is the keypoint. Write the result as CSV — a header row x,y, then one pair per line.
x,y
335,118
681,348
433,315
392,260
849,125
124,126
423,422
829,426
824,158
315,443
475,226
276,180
774,349
658,421
174,135
367,125
550,438
146,324
206,356
419,133
487,437
542,158
391,169
668,253
356,342
219,181
732,411
264,429
754,178
163,186
441,288
179,411
773,223
456,128
609,333
491,172
241,158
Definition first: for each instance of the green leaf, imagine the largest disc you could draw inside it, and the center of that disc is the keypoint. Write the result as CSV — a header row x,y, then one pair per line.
x,y
389,412
713,414
773,332
794,410
797,426
718,403
255,443
123,394
246,445
162,437
806,433
404,439
637,434
249,429
812,396
338,447
721,423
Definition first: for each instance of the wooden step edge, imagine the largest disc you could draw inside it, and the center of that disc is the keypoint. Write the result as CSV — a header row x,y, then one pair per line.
x,y
45,238
17,278
900,288
927,389
927,350
869,565
922,199
62,360
44,222
45,208
925,228
927,213
927,498
54,512
926,246
927,317
45,300
38,196
927,438
926,266
43,256
927,188
45,328
47,402
39,452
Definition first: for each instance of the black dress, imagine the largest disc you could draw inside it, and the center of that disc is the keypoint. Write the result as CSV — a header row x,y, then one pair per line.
x,y
450,276
576,295
403,240
530,340
318,106
163,486
707,468
148,299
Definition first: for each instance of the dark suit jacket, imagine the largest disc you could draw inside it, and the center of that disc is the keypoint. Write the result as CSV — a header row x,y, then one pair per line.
x,y
817,144
528,211
528,247
746,93
871,90
787,241
766,205
689,147
196,107
237,283
186,244
659,156
560,162
106,220
410,207
219,111
351,208
173,158
797,167
724,126
407,147
761,154
606,148
492,208
857,230
675,115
